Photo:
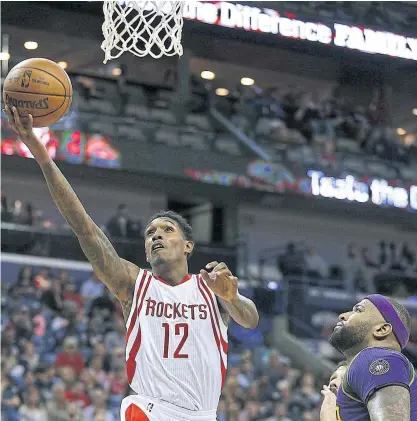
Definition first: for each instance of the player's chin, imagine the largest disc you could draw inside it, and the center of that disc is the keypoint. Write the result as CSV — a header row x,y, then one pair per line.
x,y
334,337
158,261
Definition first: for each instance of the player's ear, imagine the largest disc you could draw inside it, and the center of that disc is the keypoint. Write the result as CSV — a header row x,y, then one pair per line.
x,y
189,247
382,330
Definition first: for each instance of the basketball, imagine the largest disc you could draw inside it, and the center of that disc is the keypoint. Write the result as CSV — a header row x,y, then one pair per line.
x,y
39,87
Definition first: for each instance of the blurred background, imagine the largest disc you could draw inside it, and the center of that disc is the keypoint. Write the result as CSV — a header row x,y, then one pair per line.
x,y
286,134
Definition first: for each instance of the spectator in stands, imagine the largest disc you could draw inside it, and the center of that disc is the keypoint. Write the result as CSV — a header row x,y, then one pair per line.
x,y
24,286
59,409
98,399
44,380
116,338
22,325
52,298
367,259
354,268
95,331
315,264
305,396
118,381
70,294
42,280
291,262
10,399
408,256
274,370
29,214
308,416
91,289
67,323
96,370
77,394
383,255
70,357
103,306
307,117
117,358
18,216
250,411
280,413
356,125
29,358
32,409
246,376
395,258
4,207
119,224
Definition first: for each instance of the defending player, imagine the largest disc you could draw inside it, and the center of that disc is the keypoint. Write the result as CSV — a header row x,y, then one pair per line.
x,y
380,382
176,348
328,406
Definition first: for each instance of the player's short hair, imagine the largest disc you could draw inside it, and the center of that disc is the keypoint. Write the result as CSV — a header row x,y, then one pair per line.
x,y
179,219
402,312
341,364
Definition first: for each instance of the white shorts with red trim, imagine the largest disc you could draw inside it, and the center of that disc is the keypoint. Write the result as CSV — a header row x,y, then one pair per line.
x,y
143,408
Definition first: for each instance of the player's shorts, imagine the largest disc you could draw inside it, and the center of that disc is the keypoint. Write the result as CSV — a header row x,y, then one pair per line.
x,y
143,408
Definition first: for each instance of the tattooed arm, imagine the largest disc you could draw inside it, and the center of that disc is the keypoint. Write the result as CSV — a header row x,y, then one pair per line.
x,y
242,310
391,403
119,275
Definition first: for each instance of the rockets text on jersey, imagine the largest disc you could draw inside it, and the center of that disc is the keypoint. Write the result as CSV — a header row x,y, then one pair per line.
x,y
176,344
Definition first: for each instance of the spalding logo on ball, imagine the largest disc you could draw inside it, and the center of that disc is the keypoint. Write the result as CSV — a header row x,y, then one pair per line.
x,y
39,87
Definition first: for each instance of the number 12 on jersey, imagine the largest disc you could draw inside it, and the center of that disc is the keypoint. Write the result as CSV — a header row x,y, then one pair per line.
x,y
180,329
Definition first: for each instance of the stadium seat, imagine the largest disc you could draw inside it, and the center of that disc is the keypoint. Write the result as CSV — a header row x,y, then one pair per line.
x,y
228,145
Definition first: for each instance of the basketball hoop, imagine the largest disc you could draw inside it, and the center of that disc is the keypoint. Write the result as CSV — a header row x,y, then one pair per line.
x,y
142,27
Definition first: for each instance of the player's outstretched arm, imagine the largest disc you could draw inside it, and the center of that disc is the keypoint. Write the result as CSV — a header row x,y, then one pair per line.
x,y
119,275
391,403
221,281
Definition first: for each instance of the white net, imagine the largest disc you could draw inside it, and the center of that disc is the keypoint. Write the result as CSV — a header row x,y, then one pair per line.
x,y
142,27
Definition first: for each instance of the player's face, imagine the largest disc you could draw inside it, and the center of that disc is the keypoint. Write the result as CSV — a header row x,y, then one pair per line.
x,y
336,379
354,327
165,242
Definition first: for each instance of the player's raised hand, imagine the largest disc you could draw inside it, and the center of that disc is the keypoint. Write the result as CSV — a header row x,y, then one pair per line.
x,y
23,130
220,280
328,407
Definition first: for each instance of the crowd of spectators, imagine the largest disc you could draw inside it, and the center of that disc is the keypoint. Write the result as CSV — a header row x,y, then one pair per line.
x,y
63,359
276,116
121,225
387,268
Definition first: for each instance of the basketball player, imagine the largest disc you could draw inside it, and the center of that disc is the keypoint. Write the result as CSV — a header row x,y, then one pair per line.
x,y
328,406
176,347
380,382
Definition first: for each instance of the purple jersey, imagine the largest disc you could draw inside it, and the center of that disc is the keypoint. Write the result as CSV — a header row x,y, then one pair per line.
x,y
370,370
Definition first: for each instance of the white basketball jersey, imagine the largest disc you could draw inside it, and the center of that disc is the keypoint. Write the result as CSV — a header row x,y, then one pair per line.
x,y
176,345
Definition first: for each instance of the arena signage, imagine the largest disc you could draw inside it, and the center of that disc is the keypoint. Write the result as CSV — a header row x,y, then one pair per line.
x,y
377,191
268,21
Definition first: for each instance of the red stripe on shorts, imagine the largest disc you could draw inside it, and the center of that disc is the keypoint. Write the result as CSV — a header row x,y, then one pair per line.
x,y
134,413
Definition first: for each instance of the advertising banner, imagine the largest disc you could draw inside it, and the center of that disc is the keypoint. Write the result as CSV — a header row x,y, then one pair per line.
x,y
287,25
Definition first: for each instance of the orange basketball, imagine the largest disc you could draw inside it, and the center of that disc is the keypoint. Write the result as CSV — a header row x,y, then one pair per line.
x,y
39,87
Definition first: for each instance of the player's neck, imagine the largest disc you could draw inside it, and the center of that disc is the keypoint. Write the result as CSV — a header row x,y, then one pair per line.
x,y
173,274
351,353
